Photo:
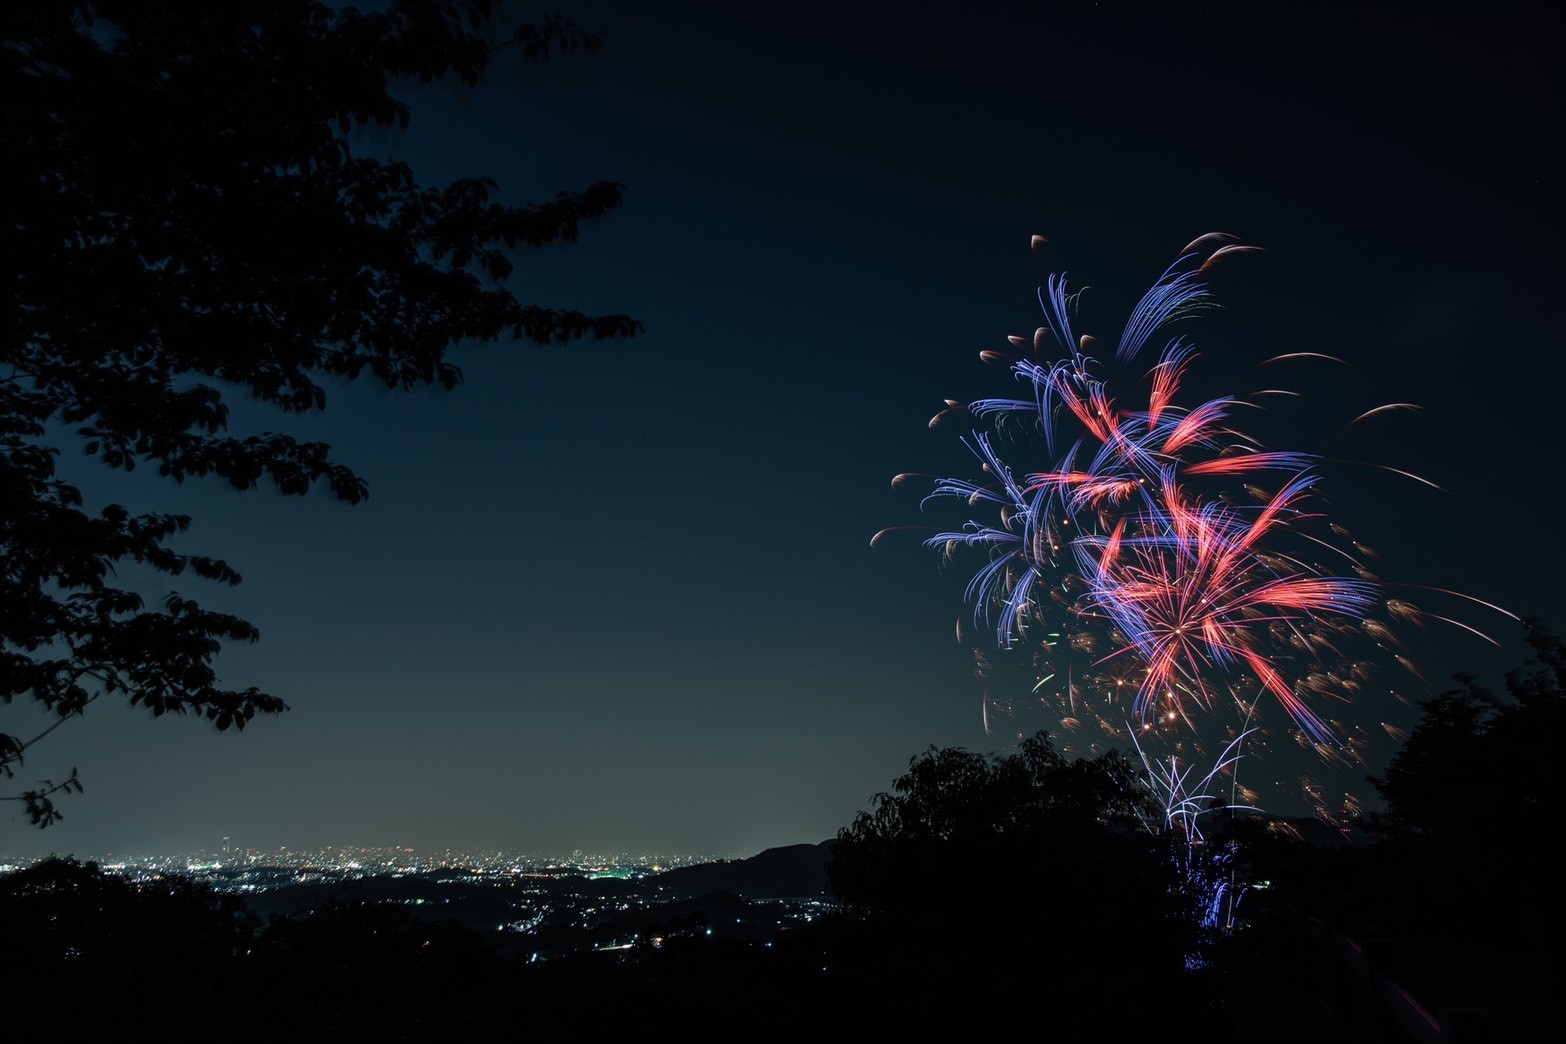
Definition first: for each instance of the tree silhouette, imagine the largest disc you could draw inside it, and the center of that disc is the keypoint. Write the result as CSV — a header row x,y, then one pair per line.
x,y
185,211
1458,887
94,954
1479,763
984,875
955,808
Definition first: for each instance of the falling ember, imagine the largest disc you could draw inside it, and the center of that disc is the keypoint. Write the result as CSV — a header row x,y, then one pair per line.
x,y
1285,829
1403,610
1379,631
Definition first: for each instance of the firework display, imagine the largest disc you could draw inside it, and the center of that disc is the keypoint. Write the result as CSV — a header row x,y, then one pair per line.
x,y
1158,574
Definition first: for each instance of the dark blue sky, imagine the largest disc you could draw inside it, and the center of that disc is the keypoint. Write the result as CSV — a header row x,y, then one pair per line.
x,y
622,595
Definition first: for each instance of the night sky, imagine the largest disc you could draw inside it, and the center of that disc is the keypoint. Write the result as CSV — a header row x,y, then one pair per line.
x,y
620,596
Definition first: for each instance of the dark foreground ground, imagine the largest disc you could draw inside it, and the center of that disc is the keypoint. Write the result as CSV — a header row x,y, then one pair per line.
x,y
88,955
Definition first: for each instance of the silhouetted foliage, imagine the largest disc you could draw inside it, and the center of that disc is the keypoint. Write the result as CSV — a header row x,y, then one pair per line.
x,y
1459,882
86,950
364,970
953,804
92,955
1025,875
185,213
1479,763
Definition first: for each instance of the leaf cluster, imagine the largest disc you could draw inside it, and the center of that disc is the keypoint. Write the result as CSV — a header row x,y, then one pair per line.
x,y
186,216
